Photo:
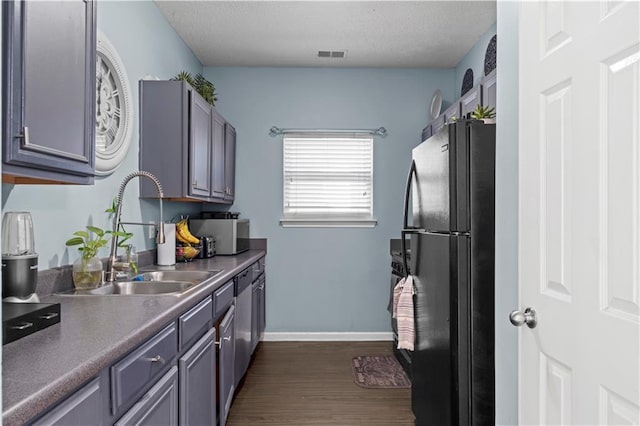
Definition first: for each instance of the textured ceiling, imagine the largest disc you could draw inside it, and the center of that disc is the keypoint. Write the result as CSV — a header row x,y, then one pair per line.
x,y
290,33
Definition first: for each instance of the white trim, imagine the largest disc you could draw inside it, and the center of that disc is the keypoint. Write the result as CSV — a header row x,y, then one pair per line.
x,y
328,223
364,336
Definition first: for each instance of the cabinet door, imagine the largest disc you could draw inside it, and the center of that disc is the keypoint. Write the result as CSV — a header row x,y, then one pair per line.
x,y
226,355
198,382
199,147
49,90
262,308
470,100
489,90
255,315
230,162
218,187
83,408
158,407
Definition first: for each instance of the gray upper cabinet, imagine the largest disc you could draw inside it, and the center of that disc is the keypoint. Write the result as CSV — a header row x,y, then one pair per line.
x,y
200,164
470,101
230,162
489,90
182,142
49,52
219,188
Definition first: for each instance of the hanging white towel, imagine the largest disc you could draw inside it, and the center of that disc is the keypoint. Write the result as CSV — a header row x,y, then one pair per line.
x,y
403,312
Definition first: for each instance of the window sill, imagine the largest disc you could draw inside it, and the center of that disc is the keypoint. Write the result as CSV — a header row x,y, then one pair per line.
x,y
328,223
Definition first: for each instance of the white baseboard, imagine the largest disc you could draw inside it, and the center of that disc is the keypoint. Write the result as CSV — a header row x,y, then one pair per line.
x,y
328,336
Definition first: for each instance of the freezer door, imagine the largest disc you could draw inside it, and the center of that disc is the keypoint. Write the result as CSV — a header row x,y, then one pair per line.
x,y
440,376
440,191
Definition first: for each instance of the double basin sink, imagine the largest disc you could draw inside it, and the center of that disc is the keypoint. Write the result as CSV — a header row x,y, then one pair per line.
x,y
151,283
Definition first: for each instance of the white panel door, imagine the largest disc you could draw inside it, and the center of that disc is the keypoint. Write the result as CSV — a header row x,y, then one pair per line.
x,y
579,215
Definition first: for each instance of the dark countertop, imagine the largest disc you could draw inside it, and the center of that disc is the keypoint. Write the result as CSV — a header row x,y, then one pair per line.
x,y
41,369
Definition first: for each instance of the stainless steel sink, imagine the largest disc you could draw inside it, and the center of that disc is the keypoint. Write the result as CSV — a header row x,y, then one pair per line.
x,y
191,276
143,287
150,283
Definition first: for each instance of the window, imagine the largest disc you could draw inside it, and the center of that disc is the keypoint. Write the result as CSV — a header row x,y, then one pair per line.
x,y
328,180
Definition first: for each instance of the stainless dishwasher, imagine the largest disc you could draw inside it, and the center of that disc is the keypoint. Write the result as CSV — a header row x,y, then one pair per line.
x,y
243,323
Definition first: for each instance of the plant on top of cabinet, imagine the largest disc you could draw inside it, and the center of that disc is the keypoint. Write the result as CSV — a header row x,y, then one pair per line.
x,y
485,113
48,102
204,87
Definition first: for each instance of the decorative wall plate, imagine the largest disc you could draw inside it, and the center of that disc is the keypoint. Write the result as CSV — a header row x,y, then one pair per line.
x,y
114,113
436,105
490,55
467,82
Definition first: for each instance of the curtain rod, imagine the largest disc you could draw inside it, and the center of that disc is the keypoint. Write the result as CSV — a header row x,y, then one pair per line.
x,y
380,131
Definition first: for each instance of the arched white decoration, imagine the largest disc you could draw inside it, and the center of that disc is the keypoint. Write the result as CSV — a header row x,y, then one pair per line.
x,y
114,113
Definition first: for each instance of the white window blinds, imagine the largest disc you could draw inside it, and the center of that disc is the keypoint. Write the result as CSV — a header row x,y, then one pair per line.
x,y
328,177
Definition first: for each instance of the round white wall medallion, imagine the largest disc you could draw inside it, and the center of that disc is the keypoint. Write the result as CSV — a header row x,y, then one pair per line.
x,y
114,113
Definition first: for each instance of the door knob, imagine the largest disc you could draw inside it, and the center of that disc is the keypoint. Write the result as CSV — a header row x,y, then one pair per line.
x,y
519,318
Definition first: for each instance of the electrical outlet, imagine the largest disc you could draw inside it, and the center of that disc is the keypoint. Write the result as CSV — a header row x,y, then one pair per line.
x,y
152,230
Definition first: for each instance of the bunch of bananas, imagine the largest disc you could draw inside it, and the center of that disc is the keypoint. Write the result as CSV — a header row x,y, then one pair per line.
x,y
183,235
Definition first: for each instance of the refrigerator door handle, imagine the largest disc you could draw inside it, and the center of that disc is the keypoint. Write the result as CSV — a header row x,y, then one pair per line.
x,y
407,194
405,216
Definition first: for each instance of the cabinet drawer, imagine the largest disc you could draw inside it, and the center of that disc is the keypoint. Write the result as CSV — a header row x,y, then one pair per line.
x,y
222,298
195,323
244,279
257,268
133,373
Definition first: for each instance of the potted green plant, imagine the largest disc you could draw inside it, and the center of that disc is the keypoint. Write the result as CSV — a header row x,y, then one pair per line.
x,y
486,114
87,270
204,87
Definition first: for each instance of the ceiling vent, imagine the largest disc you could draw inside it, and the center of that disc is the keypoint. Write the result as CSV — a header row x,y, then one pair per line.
x,y
338,54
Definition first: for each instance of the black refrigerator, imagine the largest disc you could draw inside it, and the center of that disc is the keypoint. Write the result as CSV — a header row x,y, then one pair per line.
x,y
451,185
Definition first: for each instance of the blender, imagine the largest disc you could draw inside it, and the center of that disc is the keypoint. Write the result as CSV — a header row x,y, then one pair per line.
x,y
19,259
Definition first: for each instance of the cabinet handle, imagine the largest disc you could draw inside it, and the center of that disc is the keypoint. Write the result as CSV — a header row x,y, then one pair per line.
x,y
22,326
49,316
226,339
194,184
24,136
156,358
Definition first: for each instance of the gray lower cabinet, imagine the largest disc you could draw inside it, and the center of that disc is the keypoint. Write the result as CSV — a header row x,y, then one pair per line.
x,y
158,407
83,408
136,371
226,359
243,323
48,91
183,143
258,312
198,382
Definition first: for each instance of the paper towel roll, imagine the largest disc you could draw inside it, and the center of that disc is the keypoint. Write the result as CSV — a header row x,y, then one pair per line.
x,y
167,251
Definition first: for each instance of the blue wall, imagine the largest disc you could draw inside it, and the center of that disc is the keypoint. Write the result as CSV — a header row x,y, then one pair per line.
x,y
147,44
325,279
474,59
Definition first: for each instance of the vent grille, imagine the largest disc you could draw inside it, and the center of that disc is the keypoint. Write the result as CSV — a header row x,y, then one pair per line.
x,y
338,54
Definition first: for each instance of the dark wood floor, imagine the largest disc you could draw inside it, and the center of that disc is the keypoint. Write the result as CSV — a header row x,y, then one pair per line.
x,y
302,383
